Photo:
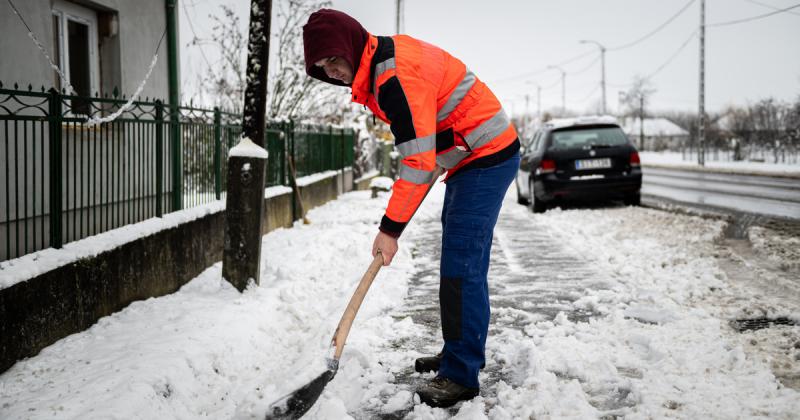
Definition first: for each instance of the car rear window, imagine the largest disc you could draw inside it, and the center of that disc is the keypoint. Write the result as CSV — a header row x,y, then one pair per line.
x,y
580,138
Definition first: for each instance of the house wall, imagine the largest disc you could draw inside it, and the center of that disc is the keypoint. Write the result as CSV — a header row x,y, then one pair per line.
x,y
124,58
141,24
21,61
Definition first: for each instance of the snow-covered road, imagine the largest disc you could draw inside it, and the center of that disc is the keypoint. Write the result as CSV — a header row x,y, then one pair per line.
x,y
596,314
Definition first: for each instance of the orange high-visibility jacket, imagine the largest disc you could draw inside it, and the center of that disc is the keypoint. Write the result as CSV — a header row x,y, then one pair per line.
x,y
440,114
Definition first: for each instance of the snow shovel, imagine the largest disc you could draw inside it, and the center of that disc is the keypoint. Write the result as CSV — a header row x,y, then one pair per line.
x,y
297,403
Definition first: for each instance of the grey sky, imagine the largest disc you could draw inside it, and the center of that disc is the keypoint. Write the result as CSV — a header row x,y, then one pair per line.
x,y
509,44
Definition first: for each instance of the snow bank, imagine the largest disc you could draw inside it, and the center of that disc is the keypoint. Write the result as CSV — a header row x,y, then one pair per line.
x,y
310,179
207,351
382,182
675,159
36,263
659,350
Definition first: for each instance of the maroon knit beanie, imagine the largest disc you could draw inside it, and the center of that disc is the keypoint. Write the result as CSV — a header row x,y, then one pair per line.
x,y
331,33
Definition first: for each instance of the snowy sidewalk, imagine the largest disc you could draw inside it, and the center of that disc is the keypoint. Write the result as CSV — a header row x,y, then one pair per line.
x,y
597,314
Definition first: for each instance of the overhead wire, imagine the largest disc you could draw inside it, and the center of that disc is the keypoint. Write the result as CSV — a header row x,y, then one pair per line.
x,y
545,69
588,66
663,65
654,31
589,96
752,18
191,27
579,56
769,6
673,56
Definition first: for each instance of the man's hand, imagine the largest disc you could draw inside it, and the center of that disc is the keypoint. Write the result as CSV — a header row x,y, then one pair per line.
x,y
387,245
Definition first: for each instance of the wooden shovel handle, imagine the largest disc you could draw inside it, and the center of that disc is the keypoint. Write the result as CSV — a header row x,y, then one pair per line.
x,y
340,336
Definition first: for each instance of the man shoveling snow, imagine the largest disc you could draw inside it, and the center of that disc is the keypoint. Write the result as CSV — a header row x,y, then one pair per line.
x,y
441,115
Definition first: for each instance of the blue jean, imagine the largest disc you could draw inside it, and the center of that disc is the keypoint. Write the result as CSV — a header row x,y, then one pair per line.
x,y
472,203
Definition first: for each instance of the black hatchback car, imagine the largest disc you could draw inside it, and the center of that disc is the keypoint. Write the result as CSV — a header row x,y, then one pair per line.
x,y
580,159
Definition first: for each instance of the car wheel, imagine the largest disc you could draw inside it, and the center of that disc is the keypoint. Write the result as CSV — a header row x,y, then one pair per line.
x,y
520,199
536,205
633,200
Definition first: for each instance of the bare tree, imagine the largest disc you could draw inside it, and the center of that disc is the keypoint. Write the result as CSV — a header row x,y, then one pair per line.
x,y
769,120
636,100
292,94
226,81
740,126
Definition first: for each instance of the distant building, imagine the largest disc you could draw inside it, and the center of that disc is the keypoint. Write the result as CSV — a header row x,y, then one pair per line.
x,y
99,45
659,133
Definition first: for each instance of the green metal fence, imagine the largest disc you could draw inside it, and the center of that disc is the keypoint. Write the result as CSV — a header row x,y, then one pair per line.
x,y
62,179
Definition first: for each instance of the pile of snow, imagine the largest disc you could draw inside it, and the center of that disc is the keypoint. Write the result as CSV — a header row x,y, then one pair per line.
x,y
658,350
780,246
207,351
382,183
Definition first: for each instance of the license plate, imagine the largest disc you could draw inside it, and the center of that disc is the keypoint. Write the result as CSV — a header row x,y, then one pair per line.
x,y
584,164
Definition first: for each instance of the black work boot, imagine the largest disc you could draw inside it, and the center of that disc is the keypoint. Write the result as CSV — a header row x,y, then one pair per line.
x,y
428,364
431,363
442,392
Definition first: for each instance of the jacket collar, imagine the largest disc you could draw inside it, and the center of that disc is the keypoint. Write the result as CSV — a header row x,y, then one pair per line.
x,y
361,80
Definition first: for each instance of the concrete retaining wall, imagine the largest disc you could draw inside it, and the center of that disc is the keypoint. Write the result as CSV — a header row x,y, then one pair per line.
x,y
66,300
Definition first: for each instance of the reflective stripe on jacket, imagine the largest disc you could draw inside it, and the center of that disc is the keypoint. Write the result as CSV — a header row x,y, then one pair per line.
x,y
440,114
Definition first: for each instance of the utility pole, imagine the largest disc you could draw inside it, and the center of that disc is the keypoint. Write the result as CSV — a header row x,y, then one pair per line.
x,y
244,207
525,117
399,16
602,68
539,102
563,92
701,129
173,70
641,122
563,87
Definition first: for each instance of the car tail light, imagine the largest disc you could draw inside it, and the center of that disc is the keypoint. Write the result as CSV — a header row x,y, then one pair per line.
x,y
635,162
547,166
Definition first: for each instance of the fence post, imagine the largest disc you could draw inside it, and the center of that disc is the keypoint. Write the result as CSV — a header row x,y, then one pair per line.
x,y
291,142
294,160
56,189
176,157
329,164
217,152
159,158
341,156
284,150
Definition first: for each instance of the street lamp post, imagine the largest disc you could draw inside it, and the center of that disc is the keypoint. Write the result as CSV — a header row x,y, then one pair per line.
x,y
603,68
563,86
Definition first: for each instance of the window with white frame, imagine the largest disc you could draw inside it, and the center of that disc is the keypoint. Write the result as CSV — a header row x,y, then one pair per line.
x,y
75,45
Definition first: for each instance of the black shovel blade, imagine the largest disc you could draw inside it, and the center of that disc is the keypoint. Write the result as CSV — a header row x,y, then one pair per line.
x,y
297,403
